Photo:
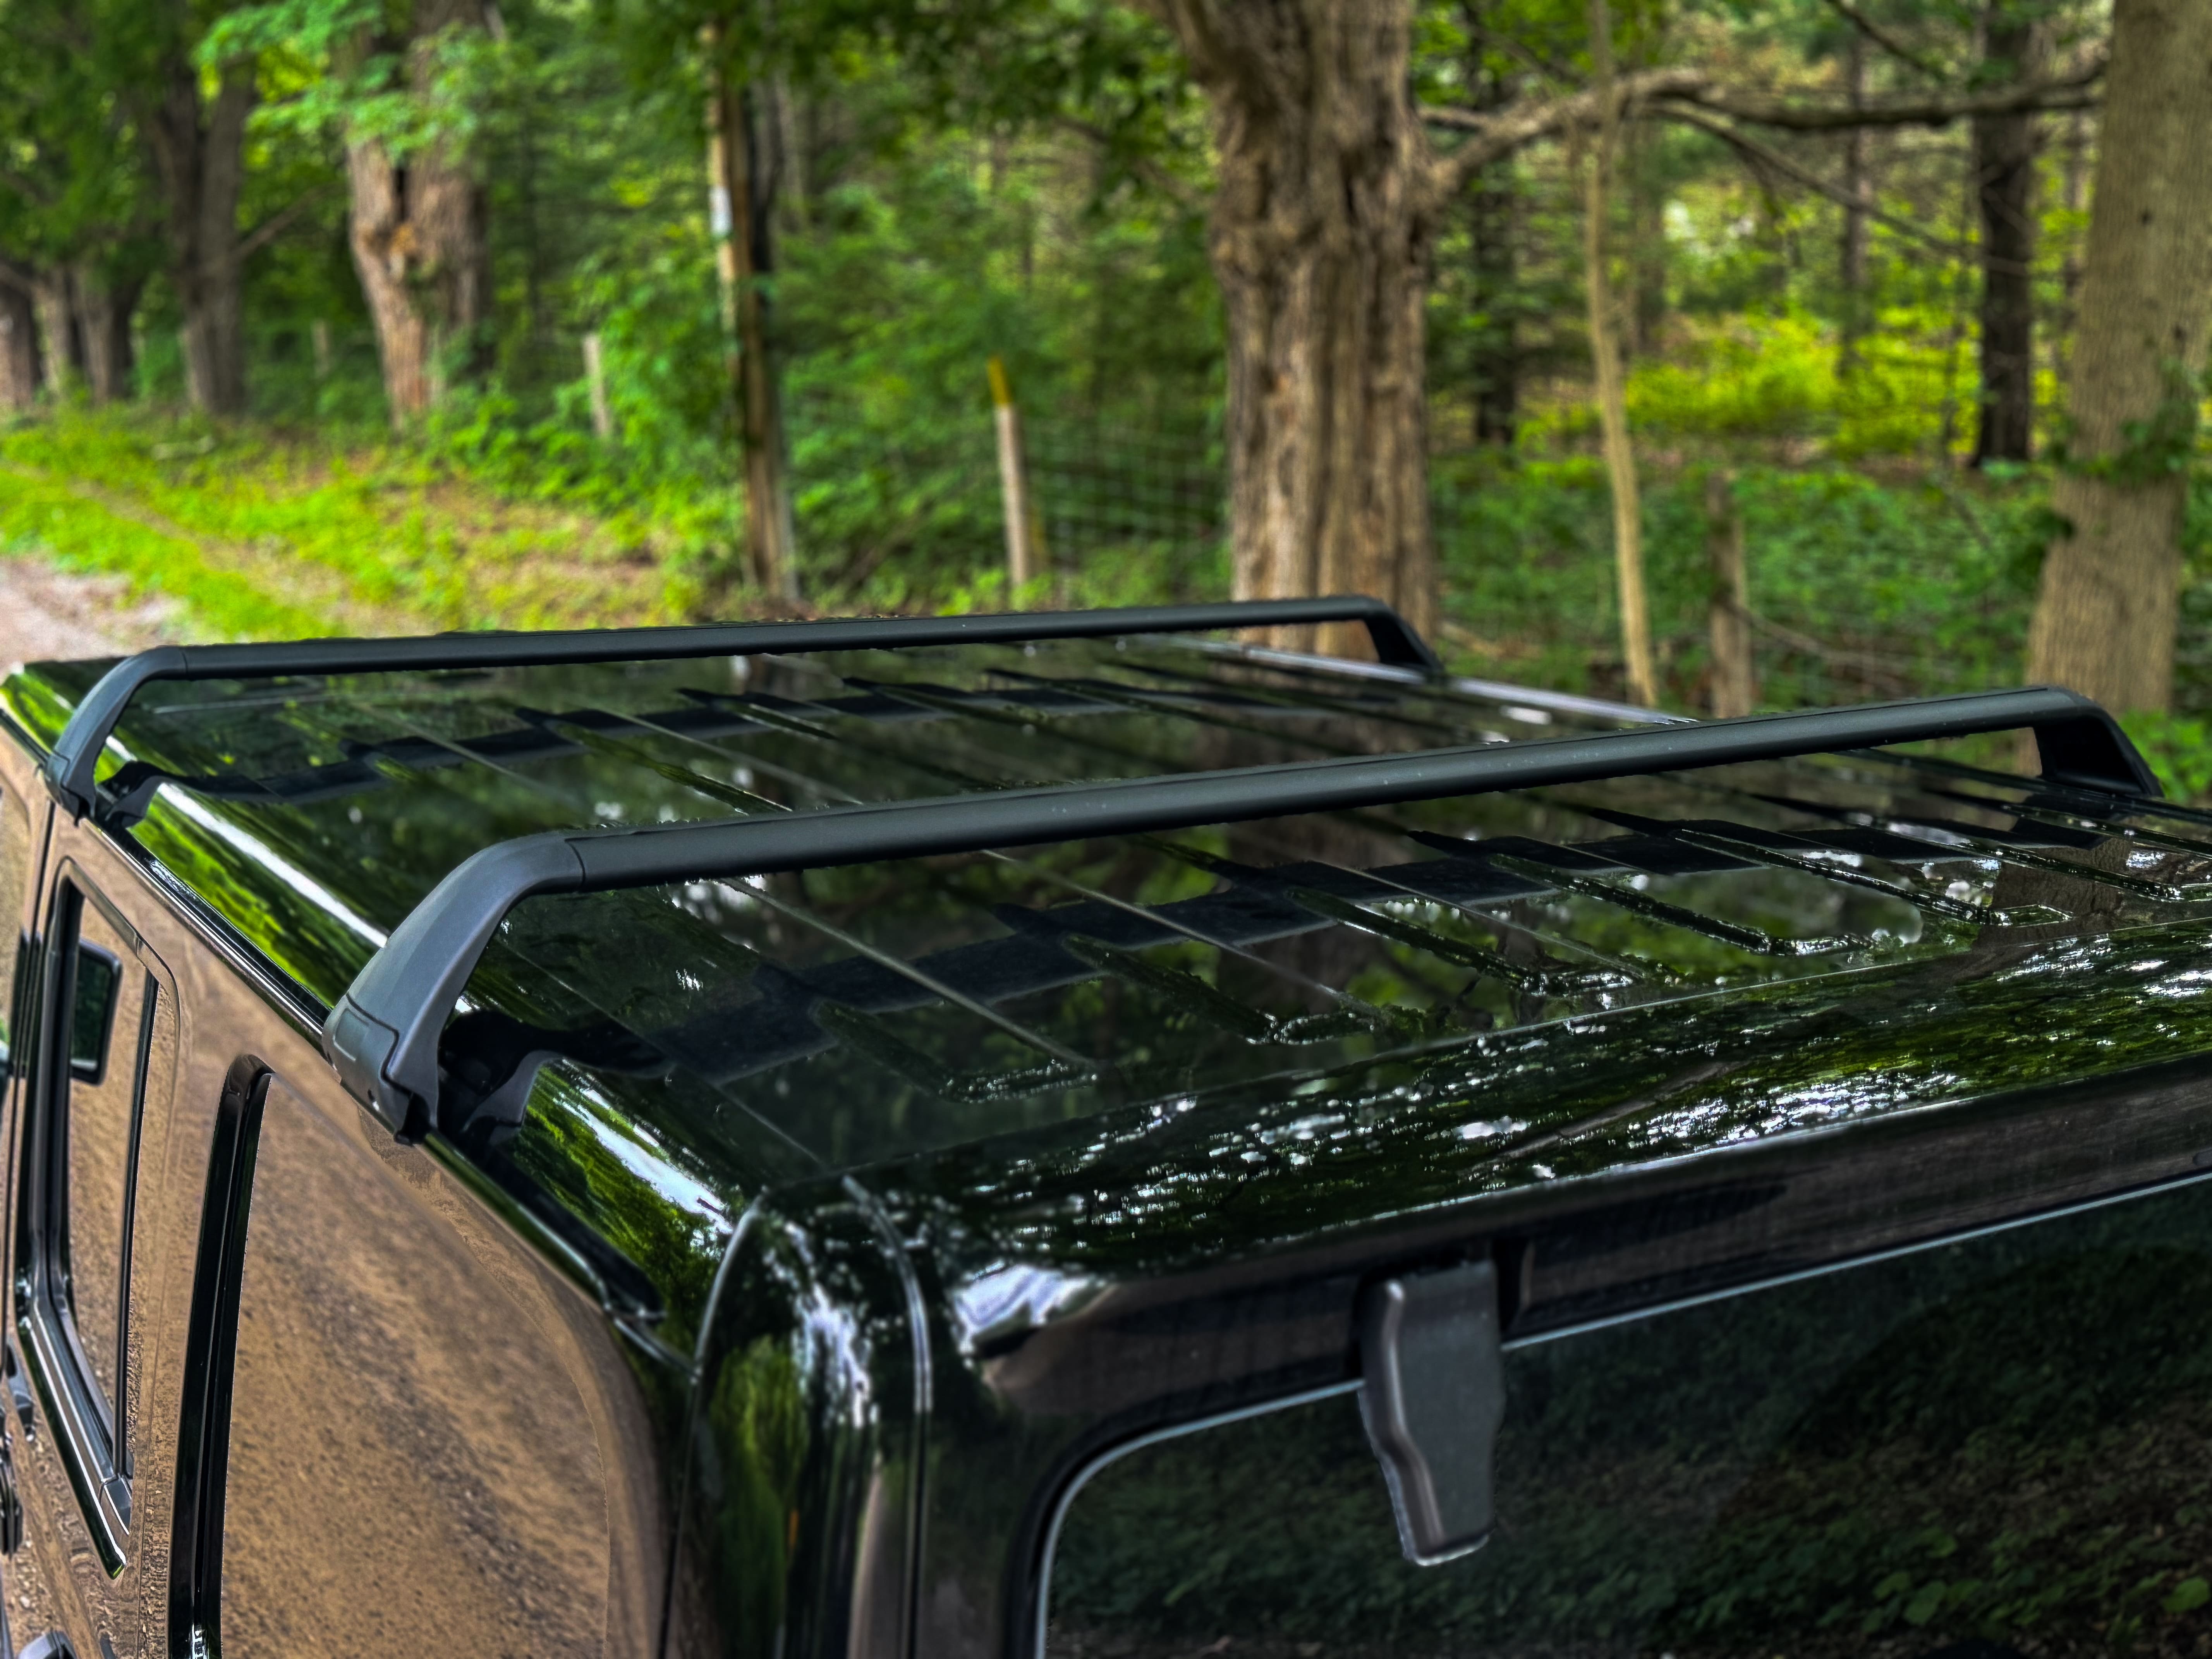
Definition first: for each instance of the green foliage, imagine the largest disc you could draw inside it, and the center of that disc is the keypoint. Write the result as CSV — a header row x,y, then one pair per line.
x,y
1906,585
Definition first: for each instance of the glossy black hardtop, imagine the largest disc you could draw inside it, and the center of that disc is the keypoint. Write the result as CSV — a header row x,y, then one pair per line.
x,y
1150,1051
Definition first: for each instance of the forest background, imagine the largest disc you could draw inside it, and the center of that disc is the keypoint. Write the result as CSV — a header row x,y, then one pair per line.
x,y
373,315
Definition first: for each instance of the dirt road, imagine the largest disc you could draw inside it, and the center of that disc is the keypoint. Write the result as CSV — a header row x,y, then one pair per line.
x,y
46,613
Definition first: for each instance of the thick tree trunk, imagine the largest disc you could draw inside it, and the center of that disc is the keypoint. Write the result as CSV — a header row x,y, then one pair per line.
x,y
1321,241
199,159
2105,614
19,340
2004,166
420,236
383,249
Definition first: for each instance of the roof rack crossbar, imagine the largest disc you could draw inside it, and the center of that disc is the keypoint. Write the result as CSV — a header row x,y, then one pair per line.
x,y
70,769
383,1035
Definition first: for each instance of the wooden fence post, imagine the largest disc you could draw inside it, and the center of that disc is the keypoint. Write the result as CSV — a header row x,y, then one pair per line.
x,y
1024,559
1735,676
595,373
1612,386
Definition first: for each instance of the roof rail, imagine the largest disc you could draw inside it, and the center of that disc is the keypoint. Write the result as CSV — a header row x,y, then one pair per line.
x,y
70,769
383,1035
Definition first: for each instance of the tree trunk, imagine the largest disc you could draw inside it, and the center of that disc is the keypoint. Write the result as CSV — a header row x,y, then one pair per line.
x,y
18,341
383,247
1493,230
420,236
61,362
199,159
1858,188
2105,614
448,216
1735,671
1320,239
104,309
2005,169
743,190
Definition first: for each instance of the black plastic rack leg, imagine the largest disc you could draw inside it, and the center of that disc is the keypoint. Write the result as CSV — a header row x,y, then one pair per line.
x,y
383,1035
70,769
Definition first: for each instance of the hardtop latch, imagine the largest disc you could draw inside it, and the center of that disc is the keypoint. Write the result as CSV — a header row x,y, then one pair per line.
x,y
1432,1393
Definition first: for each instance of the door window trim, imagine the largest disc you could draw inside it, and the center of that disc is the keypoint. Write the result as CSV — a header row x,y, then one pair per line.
x,y
92,1430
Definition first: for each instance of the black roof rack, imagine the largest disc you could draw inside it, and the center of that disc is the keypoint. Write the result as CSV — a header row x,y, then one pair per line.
x,y
383,1035
70,769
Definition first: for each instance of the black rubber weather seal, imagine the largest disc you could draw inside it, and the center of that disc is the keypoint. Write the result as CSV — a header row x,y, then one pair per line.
x,y
77,752
383,1035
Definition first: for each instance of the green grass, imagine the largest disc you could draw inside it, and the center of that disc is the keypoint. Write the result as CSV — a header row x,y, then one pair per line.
x,y
262,533
1876,585
41,518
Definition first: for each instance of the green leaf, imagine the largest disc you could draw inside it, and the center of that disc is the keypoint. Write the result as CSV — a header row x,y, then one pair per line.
x,y
1924,1605
2188,1595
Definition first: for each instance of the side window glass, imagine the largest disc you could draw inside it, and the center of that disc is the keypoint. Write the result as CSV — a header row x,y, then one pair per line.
x,y
109,1010
1988,1447
80,1170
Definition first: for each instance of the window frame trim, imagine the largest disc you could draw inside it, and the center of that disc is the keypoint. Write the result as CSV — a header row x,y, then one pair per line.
x,y
92,1430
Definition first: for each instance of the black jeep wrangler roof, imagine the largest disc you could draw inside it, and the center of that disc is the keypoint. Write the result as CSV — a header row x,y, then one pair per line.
x,y
1105,942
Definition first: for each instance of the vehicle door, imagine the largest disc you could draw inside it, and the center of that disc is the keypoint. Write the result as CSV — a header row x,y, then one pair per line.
x,y
1991,1442
104,1047
403,1430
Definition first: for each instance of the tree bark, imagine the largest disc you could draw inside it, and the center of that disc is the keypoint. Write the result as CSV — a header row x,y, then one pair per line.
x,y
418,228
104,309
383,245
2004,167
2107,610
62,362
449,211
19,339
1734,670
743,192
199,160
1320,239
1493,230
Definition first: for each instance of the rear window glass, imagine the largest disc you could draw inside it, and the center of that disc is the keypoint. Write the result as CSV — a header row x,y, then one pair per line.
x,y
1994,1448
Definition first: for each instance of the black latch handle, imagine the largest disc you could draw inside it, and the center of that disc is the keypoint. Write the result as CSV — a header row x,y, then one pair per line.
x,y
1432,1391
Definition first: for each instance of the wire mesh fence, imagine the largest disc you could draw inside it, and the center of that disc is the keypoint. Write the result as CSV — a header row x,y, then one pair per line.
x,y
1839,608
